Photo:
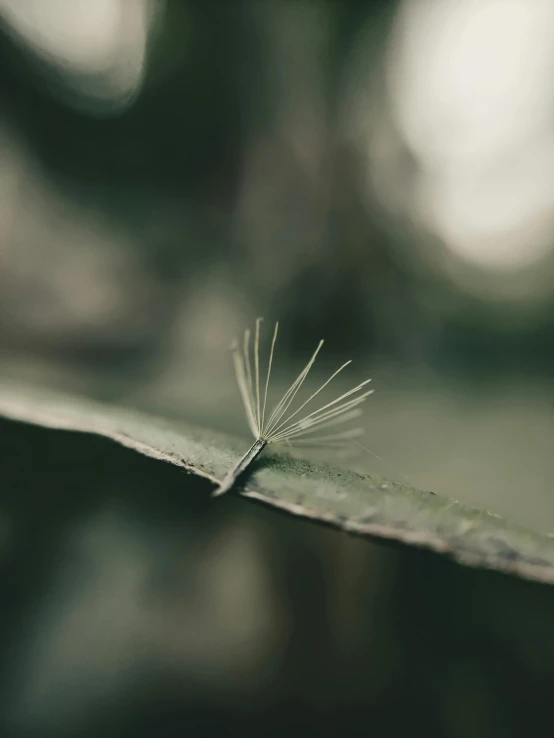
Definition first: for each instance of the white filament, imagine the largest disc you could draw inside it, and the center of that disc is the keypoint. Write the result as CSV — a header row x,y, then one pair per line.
x,y
279,428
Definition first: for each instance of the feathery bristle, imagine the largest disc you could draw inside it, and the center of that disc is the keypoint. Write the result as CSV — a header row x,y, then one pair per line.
x,y
281,426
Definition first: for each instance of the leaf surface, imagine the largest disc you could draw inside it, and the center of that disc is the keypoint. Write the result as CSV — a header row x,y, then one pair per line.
x,y
353,502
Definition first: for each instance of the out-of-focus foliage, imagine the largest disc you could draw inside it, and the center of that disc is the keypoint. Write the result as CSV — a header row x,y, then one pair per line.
x,y
91,55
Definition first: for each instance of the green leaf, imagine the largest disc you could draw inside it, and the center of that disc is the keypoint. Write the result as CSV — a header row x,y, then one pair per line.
x,y
354,502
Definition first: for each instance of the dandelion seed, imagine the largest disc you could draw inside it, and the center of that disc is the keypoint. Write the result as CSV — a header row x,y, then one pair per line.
x,y
281,427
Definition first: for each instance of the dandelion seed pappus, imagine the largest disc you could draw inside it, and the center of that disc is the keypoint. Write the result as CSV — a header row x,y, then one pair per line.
x,y
279,426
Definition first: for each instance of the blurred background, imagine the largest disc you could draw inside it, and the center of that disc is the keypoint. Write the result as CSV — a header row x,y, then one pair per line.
x,y
380,174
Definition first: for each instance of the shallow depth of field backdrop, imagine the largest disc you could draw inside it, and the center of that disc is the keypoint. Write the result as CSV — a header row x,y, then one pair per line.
x,y
379,174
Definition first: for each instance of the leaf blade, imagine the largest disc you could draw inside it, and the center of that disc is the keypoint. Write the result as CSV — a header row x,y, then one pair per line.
x,y
353,502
